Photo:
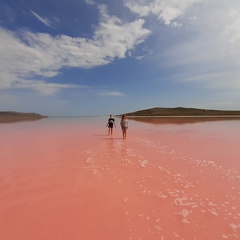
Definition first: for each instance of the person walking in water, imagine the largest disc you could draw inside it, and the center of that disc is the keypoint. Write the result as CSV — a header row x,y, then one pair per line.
x,y
124,125
111,122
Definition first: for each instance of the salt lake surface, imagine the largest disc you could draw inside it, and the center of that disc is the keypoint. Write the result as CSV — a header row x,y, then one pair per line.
x,y
66,179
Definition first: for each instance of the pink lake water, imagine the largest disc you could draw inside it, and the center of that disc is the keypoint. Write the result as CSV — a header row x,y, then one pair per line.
x,y
66,179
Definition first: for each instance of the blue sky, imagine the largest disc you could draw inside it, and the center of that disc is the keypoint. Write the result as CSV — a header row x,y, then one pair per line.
x,y
86,57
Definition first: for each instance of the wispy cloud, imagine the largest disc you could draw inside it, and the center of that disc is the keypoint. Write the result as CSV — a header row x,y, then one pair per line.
x,y
165,10
41,19
207,51
140,54
111,93
42,87
90,2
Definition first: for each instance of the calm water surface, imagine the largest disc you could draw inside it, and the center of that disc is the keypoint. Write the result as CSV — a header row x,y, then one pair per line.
x,y
65,178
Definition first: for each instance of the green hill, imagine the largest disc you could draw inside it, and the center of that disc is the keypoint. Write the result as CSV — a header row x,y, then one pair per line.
x,y
181,111
19,116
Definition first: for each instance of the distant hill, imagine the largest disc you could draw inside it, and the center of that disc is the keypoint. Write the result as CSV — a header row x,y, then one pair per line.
x,y
181,111
19,116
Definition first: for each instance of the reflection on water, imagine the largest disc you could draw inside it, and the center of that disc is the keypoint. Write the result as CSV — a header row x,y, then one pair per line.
x,y
15,120
66,179
181,120
111,146
124,150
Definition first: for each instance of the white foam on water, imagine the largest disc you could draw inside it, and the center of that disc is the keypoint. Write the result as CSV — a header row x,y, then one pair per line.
x,y
158,228
185,220
234,226
176,235
188,185
224,236
180,202
173,192
89,160
185,213
143,163
179,175
213,211
211,204
161,195
160,168
195,206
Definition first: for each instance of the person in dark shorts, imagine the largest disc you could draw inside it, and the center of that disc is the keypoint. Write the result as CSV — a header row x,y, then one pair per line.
x,y
111,122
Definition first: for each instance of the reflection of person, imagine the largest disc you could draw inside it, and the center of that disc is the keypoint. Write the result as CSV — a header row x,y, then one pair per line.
x,y
124,125
111,122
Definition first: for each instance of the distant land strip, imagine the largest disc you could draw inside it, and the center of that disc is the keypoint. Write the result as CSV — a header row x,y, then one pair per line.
x,y
181,111
9,116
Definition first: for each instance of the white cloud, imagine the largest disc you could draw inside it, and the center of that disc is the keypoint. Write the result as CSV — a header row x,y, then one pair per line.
x,y
111,93
43,20
90,2
165,10
19,63
26,55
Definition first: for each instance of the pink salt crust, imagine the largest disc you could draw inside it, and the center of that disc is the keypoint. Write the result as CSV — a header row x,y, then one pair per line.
x,y
68,180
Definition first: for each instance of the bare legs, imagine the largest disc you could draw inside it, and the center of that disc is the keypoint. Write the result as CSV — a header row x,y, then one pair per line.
x,y
110,130
124,131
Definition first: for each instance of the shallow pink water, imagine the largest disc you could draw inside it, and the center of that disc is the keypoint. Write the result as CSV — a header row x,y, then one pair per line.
x,y
66,179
